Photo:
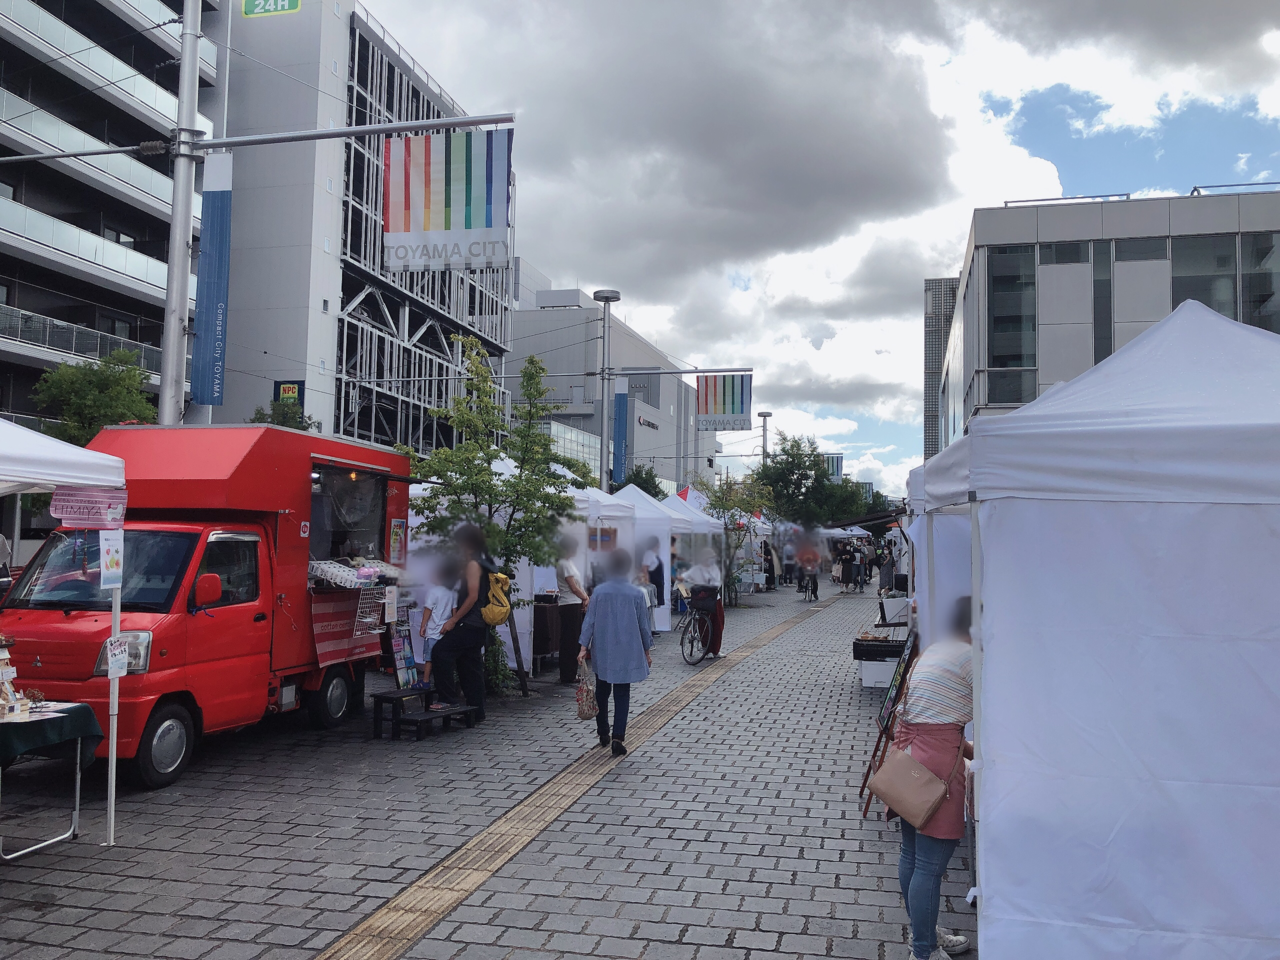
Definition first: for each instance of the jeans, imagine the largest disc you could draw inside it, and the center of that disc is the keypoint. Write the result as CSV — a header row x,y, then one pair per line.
x,y
570,631
463,648
621,704
921,865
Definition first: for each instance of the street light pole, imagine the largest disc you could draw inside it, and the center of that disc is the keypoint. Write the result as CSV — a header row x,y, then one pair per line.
x,y
608,298
173,360
764,425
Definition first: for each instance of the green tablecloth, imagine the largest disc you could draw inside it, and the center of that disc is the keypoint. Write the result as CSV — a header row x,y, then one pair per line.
x,y
52,735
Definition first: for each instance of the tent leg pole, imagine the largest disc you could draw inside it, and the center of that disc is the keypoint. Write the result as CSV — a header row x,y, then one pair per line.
x,y
931,618
975,632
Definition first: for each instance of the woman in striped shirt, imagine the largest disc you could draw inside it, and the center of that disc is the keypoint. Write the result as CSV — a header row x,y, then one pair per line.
x,y
935,708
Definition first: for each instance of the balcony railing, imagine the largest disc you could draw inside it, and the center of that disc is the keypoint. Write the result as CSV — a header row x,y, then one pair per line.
x,y
79,56
59,136
154,12
75,340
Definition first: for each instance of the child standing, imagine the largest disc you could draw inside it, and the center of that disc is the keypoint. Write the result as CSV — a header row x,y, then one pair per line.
x,y
437,608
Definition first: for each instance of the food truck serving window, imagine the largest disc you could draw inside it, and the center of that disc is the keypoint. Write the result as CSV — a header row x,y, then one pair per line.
x,y
348,514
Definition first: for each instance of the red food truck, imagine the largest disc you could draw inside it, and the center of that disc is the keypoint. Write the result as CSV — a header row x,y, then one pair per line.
x,y
256,565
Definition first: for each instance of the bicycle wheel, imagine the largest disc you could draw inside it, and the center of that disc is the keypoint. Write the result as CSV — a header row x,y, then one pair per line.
x,y
693,640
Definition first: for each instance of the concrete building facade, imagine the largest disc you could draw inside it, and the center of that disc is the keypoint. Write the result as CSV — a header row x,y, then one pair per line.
x,y
1048,290
939,307
563,328
310,298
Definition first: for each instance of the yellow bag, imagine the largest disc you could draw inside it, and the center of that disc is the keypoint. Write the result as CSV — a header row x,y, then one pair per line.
x,y
497,607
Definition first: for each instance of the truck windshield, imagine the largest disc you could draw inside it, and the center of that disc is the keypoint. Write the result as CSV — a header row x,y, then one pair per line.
x,y
64,574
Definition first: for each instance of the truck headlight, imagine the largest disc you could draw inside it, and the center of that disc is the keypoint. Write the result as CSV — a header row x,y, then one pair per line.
x,y
139,652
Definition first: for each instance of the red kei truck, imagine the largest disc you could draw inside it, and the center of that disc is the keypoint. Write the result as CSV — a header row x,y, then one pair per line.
x,y
236,541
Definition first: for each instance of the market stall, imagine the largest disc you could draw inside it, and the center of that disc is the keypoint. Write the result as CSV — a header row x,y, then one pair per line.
x,y
940,537
655,525
92,484
1128,725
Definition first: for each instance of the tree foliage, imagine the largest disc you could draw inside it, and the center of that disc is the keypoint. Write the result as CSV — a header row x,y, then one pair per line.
x,y
804,491
643,476
285,413
89,396
737,502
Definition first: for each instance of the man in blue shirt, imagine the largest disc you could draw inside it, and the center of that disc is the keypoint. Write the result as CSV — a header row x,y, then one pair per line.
x,y
616,632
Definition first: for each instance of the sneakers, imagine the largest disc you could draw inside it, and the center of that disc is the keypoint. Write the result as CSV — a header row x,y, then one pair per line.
x,y
949,944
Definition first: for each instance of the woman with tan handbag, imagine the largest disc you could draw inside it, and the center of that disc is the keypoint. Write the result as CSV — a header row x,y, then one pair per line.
x,y
929,734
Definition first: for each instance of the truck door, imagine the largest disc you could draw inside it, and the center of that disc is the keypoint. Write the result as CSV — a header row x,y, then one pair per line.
x,y
229,641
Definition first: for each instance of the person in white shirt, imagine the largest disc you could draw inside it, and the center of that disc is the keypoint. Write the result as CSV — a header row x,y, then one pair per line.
x,y
706,573
573,607
437,608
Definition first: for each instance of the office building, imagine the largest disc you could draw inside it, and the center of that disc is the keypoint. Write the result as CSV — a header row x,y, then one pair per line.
x,y
1049,289
84,243
939,306
563,329
310,299
835,466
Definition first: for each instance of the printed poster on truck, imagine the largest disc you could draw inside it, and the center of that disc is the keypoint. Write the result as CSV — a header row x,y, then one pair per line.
x,y
399,539
110,559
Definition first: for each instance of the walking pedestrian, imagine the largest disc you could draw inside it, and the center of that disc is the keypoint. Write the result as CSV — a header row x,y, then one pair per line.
x,y
616,632
888,567
789,563
935,708
464,634
769,564
846,566
572,607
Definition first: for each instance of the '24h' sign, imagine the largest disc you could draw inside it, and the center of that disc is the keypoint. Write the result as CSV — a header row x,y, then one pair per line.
x,y
263,8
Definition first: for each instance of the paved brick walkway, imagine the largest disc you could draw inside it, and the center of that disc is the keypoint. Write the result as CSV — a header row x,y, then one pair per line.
x,y
736,828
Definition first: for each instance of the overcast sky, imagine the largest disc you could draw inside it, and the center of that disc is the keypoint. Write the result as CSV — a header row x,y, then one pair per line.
x,y
768,184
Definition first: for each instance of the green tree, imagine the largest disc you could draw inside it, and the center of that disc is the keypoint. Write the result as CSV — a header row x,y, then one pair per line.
x,y
796,473
499,476
643,476
738,503
89,396
285,413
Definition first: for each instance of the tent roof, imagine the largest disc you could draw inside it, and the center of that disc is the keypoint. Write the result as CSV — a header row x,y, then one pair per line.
x,y
595,504
915,490
701,522
649,508
1188,412
945,481
32,461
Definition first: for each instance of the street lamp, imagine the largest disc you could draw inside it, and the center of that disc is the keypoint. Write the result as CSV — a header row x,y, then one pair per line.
x,y
764,416
608,298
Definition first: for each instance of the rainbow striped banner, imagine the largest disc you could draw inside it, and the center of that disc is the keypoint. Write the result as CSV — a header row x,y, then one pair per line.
x,y
446,201
724,401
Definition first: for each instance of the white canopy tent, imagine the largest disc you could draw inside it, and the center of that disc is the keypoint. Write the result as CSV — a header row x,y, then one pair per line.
x,y
32,462
702,523
1128,736
656,521
941,537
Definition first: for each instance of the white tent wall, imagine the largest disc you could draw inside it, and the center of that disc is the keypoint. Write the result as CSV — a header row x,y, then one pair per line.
x,y
1130,733
952,572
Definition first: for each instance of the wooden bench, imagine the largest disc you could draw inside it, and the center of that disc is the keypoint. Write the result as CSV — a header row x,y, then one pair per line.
x,y
421,723
396,700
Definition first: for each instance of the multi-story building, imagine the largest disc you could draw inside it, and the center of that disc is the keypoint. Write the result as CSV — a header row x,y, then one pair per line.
x,y
939,306
1049,289
84,243
835,466
310,298
563,329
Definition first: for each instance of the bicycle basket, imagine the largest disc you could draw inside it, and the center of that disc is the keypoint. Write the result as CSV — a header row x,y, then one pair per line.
x,y
703,597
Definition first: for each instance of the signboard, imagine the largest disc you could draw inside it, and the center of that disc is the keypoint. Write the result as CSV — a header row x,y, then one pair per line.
x,y
724,401
117,657
213,272
446,201
265,8
290,391
89,508
618,469
895,685
110,559
399,536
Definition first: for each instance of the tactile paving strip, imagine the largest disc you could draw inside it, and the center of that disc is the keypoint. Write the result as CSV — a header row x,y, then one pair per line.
x,y
402,921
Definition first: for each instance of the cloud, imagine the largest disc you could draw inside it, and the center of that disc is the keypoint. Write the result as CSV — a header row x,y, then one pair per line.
x,y
795,384
890,478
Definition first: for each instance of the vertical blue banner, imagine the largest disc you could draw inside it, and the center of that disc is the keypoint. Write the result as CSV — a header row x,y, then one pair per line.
x,y
620,424
213,273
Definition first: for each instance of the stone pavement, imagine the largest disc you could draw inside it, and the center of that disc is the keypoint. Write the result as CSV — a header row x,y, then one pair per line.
x,y
734,833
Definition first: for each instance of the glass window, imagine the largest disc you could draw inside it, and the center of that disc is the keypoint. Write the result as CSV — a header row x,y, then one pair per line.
x,y
1102,336
1204,269
1011,320
348,514
1011,386
1072,252
236,562
1260,267
1148,248
64,574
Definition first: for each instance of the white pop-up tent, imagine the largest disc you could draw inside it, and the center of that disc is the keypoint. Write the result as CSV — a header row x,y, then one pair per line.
x,y
1129,728
32,462
941,538
656,521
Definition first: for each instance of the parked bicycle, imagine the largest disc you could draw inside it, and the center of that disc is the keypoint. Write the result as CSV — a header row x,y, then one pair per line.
x,y
695,635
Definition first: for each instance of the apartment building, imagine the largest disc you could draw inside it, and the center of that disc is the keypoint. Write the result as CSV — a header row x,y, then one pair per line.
x,y
563,328
84,242
1049,289
311,301
939,307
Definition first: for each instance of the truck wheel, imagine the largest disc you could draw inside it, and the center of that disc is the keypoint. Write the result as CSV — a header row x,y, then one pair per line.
x,y
165,749
330,704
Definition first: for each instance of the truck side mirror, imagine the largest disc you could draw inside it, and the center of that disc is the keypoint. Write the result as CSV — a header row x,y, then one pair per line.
x,y
208,589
